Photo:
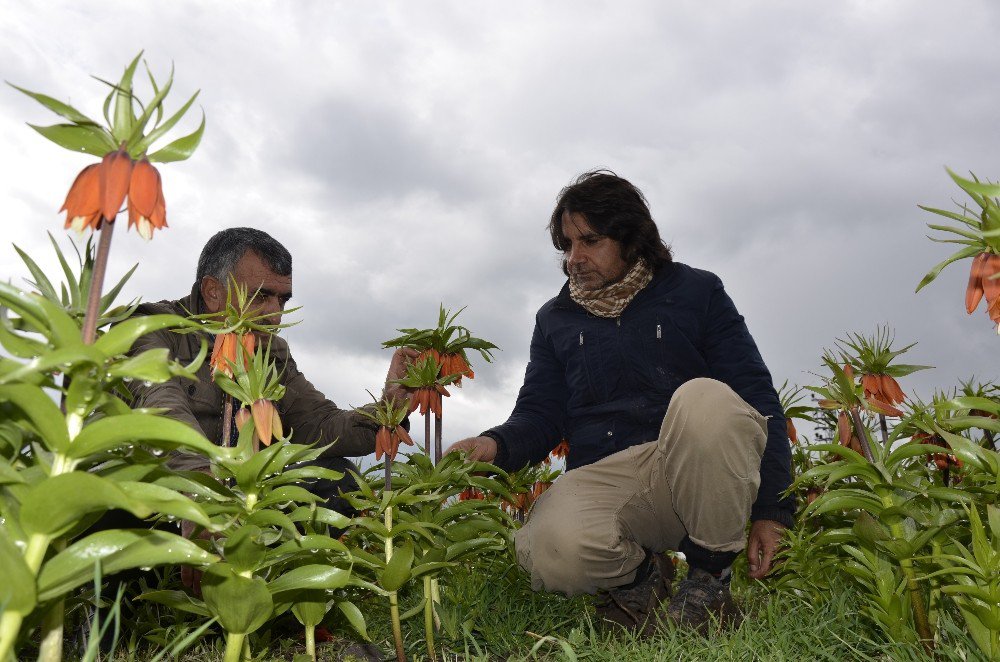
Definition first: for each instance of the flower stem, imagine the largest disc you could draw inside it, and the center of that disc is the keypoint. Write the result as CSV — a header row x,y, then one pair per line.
x,y
234,647
227,420
429,617
397,628
97,284
311,641
885,430
862,430
427,434
437,437
51,648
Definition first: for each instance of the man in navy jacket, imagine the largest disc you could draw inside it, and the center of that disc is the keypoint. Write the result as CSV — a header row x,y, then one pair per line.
x,y
675,431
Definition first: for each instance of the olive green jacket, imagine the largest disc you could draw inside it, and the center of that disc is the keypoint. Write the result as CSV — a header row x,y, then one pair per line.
x,y
303,409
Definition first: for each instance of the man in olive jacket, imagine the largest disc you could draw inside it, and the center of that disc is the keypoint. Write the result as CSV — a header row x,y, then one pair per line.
x,y
676,435
258,262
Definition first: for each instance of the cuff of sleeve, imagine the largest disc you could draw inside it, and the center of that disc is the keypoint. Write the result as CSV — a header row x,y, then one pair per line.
x,y
502,453
782,516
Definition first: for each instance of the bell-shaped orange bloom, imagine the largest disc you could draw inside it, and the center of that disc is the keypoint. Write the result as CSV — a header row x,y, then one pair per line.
x,y
387,441
266,421
455,364
469,494
561,449
242,416
83,202
883,392
539,487
428,399
793,435
941,460
116,173
147,210
227,350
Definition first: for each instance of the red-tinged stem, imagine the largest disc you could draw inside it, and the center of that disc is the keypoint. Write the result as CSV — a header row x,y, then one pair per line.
x,y
97,284
227,420
388,473
885,430
437,438
427,434
862,430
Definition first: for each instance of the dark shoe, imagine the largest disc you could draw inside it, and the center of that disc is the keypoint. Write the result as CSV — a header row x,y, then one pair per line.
x,y
701,601
631,607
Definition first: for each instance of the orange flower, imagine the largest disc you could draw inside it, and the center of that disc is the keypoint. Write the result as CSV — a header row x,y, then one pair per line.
x,y
844,433
561,449
387,441
455,364
83,202
793,435
982,284
470,493
266,422
147,210
225,351
539,487
242,416
883,392
941,460
428,399
116,172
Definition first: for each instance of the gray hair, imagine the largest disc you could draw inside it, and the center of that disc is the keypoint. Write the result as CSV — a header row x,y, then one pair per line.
x,y
226,248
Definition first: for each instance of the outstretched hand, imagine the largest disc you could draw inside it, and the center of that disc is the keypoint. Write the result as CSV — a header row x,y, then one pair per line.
x,y
397,370
479,449
762,544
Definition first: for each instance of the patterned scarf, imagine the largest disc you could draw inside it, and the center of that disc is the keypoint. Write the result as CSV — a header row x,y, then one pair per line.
x,y
611,300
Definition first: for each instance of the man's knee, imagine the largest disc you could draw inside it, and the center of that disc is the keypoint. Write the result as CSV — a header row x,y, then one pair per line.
x,y
712,416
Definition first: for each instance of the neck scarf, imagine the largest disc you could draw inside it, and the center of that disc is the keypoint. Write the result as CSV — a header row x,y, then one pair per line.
x,y
611,300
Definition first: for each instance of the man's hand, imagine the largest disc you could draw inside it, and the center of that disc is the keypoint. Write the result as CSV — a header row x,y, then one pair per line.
x,y
479,449
397,370
762,545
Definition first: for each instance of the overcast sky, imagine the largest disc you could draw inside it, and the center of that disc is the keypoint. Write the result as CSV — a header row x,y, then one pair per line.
x,y
410,153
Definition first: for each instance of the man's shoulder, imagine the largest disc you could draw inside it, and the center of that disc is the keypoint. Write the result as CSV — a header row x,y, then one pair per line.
x,y
683,276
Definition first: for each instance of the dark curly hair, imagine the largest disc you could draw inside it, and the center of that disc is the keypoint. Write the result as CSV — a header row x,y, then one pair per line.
x,y
614,208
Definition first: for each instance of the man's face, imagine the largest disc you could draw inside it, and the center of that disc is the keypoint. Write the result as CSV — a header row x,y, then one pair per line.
x,y
593,260
273,291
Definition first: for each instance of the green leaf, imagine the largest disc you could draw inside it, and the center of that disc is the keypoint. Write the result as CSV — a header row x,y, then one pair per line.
x,y
57,107
973,187
180,149
152,366
242,604
53,506
165,501
178,600
244,550
971,251
78,138
311,543
161,130
460,549
17,590
41,281
124,111
43,414
354,617
121,338
397,571
310,613
310,577
154,105
116,550
112,432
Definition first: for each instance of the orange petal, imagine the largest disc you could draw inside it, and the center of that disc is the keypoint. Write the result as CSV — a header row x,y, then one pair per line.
x,y
882,407
974,290
843,429
991,286
277,430
382,442
247,342
242,416
83,201
144,188
116,169
404,436
263,411
890,387
793,435
870,384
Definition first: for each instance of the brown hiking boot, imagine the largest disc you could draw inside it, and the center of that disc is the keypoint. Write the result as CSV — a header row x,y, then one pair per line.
x,y
701,601
631,608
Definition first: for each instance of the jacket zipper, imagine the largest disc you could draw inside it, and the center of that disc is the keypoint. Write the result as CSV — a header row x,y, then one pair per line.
x,y
581,338
659,332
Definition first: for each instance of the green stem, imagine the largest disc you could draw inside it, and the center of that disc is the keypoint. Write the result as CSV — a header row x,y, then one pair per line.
x,y
429,617
311,641
916,594
234,647
10,625
97,283
51,648
397,628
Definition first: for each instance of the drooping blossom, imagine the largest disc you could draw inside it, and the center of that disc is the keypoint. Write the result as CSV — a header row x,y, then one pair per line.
x,y
455,364
226,351
942,461
147,210
793,434
116,173
83,202
983,285
266,421
845,433
428,399
883,392
387,441
538,488
470,493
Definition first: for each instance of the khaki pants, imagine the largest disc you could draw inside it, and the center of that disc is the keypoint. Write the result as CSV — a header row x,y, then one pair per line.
x,y
590,530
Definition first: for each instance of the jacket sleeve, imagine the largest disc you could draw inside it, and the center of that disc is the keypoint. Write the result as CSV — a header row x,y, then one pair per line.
x,y
536,424
170,395
314,418
734,359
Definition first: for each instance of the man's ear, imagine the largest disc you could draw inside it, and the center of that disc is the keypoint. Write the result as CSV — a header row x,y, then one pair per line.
x,y
213,294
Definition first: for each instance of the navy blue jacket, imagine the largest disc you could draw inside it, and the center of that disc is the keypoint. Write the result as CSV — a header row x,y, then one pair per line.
x,y
604,384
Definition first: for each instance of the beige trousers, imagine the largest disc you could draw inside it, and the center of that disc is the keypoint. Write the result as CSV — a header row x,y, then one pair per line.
x,y
590,530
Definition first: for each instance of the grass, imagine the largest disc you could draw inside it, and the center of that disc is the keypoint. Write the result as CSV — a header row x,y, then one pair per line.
x,y
489,612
